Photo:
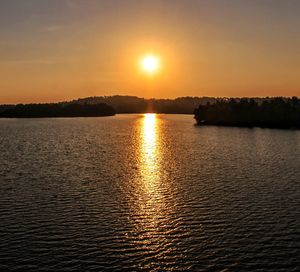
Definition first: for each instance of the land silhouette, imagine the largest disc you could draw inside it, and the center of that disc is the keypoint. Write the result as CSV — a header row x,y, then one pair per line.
x,y
133,104
56,110
272,113
120,104
278,112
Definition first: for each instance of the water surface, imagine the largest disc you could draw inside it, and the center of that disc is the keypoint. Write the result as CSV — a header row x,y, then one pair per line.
x,y
147,193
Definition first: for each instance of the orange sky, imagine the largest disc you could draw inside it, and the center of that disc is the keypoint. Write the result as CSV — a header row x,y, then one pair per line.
x,y
64,49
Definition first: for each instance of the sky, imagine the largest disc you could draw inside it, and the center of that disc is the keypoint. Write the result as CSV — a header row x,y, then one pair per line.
x,y
56,50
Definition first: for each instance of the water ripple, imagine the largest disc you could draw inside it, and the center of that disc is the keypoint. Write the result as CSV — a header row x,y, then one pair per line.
x,y
147,193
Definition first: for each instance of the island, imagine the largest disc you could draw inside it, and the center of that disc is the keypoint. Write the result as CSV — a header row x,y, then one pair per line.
x,y
51,110
275,112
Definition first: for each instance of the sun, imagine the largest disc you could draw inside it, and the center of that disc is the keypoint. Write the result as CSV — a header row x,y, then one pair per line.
x,y
150,64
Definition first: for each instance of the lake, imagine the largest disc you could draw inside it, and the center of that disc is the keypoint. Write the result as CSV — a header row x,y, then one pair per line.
x,y
147,193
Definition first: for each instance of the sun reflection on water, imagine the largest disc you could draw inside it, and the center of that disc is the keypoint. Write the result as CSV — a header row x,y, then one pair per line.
x,y
150,152
150,200
153,216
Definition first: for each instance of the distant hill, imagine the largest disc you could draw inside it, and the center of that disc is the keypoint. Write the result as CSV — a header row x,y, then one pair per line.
x,y
133,104
180,105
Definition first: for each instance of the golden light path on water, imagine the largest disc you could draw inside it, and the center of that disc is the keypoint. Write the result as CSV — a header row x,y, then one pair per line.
x,y
150,158
154,221
150,152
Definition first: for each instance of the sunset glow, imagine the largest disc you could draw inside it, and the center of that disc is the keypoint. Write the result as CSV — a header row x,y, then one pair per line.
x,y
55,51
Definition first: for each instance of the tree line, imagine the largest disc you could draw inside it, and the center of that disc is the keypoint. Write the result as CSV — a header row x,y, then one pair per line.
x,y
276,112
56,110
133,104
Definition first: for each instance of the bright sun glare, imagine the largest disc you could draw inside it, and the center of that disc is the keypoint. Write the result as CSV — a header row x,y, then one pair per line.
x,y
150,64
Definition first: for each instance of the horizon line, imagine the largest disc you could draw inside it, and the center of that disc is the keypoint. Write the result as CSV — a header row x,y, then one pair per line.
x,y
152,98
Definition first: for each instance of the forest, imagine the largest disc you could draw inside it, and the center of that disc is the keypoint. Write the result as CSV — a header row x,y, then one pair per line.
x,y
133,104
276,112
56,110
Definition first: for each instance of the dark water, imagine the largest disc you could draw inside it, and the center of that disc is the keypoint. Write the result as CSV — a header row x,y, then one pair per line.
x,y
147,193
